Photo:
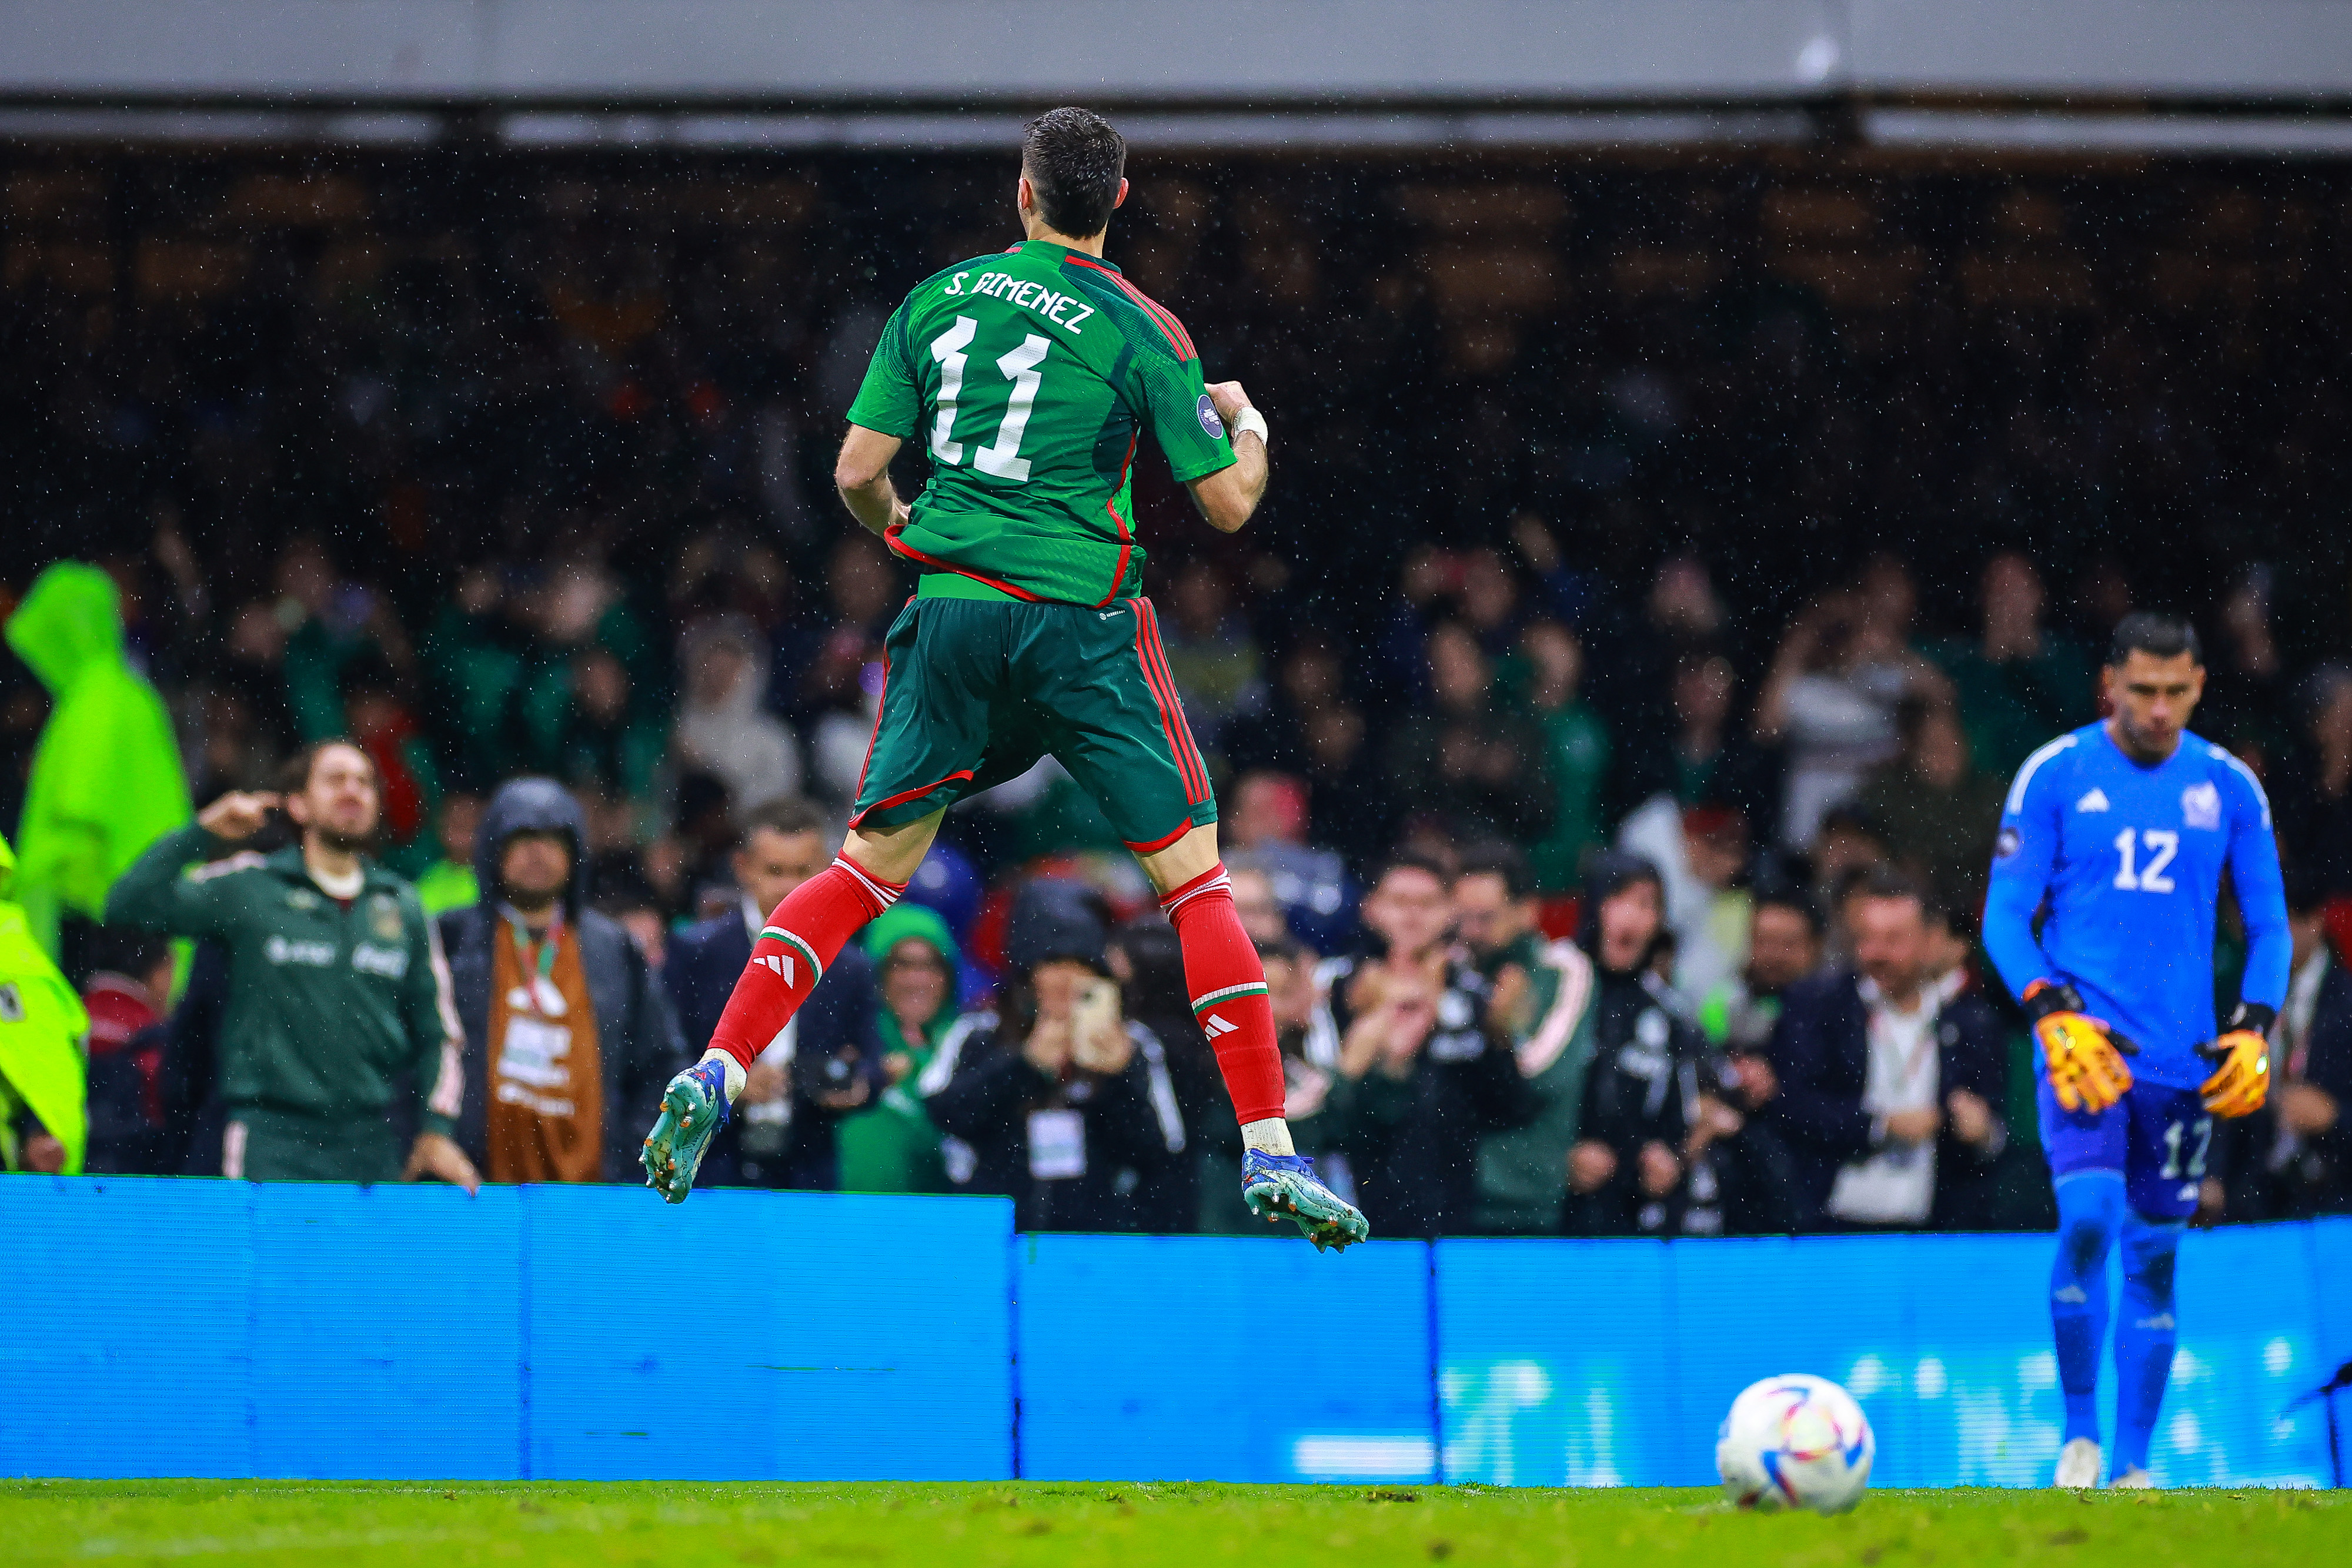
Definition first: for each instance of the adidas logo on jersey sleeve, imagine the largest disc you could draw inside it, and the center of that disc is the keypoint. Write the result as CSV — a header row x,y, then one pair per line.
x,y
2096,801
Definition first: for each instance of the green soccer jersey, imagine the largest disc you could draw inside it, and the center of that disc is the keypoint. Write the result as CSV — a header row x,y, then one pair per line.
x,y
1030,376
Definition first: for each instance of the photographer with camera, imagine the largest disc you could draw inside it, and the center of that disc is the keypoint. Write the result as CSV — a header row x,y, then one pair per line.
x,y
1056,1100
824,1065
337,988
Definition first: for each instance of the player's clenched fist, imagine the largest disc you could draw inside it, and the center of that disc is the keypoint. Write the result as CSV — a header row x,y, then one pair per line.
x,y
2242,1073
2084,1056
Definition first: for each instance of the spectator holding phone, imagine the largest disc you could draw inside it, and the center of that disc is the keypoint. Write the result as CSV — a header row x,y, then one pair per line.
x,y
337,992
1053,1099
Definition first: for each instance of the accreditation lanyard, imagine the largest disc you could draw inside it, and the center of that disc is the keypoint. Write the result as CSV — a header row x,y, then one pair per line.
x,y
538,992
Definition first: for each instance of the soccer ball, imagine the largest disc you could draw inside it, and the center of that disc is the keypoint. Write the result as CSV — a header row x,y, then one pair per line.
x,y
1795,1441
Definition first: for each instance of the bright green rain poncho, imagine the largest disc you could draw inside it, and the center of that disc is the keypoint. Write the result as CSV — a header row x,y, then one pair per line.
x,y
106,779
42,1025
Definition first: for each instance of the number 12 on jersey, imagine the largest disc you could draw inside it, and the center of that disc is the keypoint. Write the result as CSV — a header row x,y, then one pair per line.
x,y
1002,457
2163,845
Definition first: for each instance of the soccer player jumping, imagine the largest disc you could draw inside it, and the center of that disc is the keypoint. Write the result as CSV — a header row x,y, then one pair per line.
x,y
2120,831
1031,376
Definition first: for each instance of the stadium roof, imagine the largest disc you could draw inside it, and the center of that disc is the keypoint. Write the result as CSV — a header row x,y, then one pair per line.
x,y
1215,72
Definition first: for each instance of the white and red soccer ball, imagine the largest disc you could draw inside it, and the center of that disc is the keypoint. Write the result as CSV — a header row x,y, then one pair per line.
x,y
1795,1441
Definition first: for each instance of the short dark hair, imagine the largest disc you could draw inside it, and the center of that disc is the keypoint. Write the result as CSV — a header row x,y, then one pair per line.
x,y
1283,949
1784,896
2161,636
786,814
1074,159
1500,860
294,778
1412,859
1885,881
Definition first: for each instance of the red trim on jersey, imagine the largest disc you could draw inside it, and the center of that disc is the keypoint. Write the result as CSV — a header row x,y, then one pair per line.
x,y
900,547
1156,672
1183,338
1170,327
1126,540
1156,845
903,796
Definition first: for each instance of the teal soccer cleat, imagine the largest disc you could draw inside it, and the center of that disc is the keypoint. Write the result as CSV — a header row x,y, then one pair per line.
x,y
1284,1186
694,1107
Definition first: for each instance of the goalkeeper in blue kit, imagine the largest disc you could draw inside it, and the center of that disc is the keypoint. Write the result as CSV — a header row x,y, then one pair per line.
x,y
2114,838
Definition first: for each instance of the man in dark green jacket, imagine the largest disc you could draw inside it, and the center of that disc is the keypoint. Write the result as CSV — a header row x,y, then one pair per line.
x,y
1542,996
337,985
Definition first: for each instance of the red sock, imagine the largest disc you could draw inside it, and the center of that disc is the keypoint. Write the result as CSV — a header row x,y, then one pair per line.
x,y
802,937
1228,985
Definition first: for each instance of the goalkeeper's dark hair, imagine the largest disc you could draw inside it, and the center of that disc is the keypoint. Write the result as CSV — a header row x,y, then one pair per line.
x,y
1075,160
2160,636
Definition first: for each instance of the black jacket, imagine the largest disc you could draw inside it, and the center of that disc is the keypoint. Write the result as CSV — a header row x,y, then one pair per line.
x,y
1821,1052
638,1041
1413,1143
835,1046
1646,1074
1130,1129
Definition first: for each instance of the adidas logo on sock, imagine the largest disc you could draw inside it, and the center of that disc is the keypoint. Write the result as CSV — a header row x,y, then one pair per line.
x,y
1217,1027
781,964
2073,1295
2162,1321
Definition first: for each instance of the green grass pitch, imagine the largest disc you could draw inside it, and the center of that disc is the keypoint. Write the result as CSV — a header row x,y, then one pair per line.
x,y
318,1524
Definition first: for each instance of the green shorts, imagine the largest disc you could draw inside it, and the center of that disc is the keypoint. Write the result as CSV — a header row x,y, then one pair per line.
x,y
977,686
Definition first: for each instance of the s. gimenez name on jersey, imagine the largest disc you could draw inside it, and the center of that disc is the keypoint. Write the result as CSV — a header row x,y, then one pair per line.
x,y
2123,863
1038,369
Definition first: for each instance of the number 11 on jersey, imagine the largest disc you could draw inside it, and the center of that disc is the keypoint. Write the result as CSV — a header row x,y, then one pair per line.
x,y
1002,457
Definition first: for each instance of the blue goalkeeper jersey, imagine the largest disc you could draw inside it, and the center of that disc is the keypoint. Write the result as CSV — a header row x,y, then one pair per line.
x,y
2123,864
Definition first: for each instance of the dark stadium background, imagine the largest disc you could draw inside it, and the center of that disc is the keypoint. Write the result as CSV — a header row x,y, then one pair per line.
x,y
2131,367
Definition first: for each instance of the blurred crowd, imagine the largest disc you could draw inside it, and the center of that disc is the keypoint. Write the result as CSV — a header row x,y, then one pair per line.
x,y
1665,573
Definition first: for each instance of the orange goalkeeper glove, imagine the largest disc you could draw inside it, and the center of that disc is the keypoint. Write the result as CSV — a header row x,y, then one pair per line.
x,y
2085,1057
2242,1074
